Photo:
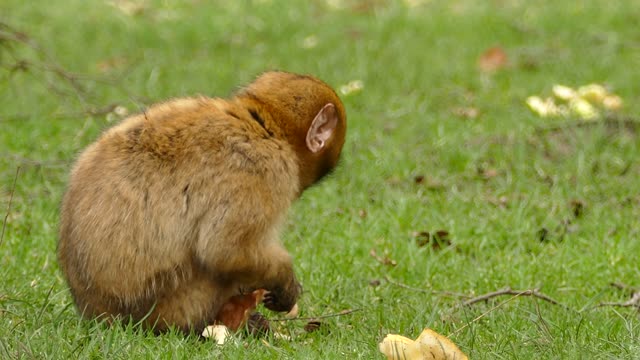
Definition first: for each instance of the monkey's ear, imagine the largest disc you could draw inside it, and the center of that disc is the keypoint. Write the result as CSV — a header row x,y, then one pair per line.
x,y
322,128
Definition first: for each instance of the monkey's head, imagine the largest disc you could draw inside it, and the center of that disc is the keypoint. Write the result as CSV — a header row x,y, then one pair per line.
x,y
307,113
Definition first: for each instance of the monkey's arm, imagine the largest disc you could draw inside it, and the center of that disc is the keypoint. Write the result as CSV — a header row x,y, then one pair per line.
x,y
243,259
238,240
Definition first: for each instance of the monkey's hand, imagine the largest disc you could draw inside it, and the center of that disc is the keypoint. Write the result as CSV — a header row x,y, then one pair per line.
x,y
282,299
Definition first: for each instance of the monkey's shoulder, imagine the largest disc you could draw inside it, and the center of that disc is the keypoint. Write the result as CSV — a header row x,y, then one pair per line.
x,y
194,136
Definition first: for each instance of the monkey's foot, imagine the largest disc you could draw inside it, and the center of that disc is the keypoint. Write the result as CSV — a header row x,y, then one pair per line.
x,y
258,325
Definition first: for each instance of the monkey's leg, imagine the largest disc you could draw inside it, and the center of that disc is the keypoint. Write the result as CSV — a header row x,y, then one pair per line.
x,y
190,307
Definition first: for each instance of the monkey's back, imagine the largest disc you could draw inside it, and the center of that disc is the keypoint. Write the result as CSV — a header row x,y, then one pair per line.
x,y
139,198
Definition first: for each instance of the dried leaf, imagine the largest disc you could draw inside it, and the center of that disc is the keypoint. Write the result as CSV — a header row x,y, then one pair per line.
x,y
441,240
315,325
543,235
501,201
389,127
258,325
577,207
437,240
443,235
111,64
492,60
435,185
382,260
466,112
422,238
354,34
129,7
393,180
489,174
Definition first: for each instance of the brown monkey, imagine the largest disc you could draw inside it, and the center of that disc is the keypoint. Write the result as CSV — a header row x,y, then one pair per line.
x,y
175,212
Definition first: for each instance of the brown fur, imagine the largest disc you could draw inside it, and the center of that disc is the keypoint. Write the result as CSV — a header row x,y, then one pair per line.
x,y
172,212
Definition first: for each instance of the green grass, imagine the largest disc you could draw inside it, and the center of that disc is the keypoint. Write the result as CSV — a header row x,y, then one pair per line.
x,y
417,65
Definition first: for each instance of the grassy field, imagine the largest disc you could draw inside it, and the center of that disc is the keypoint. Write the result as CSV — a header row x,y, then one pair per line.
x,y
435,144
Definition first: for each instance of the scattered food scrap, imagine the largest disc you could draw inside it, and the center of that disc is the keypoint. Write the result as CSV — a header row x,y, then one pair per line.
x,y
587,102
351,87
219,333
428,346
240,311
310,42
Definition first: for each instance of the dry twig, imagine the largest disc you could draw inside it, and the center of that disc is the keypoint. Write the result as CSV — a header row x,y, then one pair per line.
x,y
508,291
27,162
55,77
9,36
633,302
623,286
6,217
66,115
341,313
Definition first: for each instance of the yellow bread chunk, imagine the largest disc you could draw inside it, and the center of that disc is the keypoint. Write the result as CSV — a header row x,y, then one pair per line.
x,y
428,346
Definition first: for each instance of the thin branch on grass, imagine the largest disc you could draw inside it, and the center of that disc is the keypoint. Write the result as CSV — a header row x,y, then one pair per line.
x,y
542,323
44,64
623,286
404,286
11,35
484,314
633,302
6,216
341,313
508,291
101,111
439,292
26,162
